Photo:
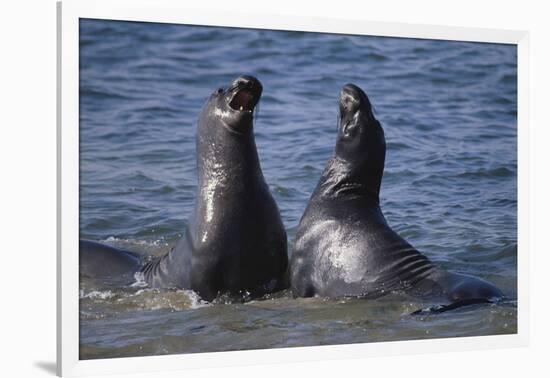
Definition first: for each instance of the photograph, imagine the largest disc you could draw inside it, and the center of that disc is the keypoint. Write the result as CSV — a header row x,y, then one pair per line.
x,y
245,189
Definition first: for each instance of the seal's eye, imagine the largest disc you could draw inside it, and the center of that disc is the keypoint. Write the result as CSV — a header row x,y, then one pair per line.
x,y
220,90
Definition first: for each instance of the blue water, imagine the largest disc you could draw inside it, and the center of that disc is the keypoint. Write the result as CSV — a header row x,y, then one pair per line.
x,y
449,111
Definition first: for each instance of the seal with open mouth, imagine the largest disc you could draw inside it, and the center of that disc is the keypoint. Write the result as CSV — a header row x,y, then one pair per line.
x,y
235,241
343,245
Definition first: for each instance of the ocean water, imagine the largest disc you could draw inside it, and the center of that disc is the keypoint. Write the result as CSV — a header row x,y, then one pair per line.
x,y
450,185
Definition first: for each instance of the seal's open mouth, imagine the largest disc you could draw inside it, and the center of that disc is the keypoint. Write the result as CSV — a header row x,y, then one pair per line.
x,y
245,92
243,100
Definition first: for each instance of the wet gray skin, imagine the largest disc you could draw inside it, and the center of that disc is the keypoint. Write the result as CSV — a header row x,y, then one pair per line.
x,y
235,242
107,264
344,246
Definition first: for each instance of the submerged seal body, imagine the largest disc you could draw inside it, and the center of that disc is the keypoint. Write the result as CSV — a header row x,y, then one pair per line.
x,y
344,246
235,241
102,261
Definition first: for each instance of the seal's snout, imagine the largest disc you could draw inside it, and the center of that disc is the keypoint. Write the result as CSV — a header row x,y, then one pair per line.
x,y
247,81
355,111
245,93
351,98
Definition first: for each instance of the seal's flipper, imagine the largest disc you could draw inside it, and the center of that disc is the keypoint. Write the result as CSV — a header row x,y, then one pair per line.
x,y
452,306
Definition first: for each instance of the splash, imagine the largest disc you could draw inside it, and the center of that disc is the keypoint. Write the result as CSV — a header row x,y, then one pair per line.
x,y
139,280
97,294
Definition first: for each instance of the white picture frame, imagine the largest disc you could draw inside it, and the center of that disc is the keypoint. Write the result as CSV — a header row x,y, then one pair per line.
x,y
173,11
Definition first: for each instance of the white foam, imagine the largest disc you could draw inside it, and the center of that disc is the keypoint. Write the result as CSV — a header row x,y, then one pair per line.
x,y
196,301
96,294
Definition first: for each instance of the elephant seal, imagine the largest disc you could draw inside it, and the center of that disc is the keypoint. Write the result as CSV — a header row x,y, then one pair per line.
x,y
344,247
234,242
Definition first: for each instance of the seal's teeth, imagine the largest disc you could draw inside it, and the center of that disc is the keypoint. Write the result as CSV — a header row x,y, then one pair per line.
x,y
241,108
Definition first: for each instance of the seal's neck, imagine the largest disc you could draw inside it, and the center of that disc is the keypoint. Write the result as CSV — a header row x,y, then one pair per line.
x,y
343,179
224,156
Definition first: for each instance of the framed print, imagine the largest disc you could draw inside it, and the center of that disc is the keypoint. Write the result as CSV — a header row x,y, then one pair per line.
x,y
284,189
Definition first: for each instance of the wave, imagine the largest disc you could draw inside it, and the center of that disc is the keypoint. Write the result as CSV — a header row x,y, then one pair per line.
x,y
140,298
101,93
488,173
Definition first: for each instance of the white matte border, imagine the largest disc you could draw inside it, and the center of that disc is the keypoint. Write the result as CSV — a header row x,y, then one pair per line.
x,y
172,11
